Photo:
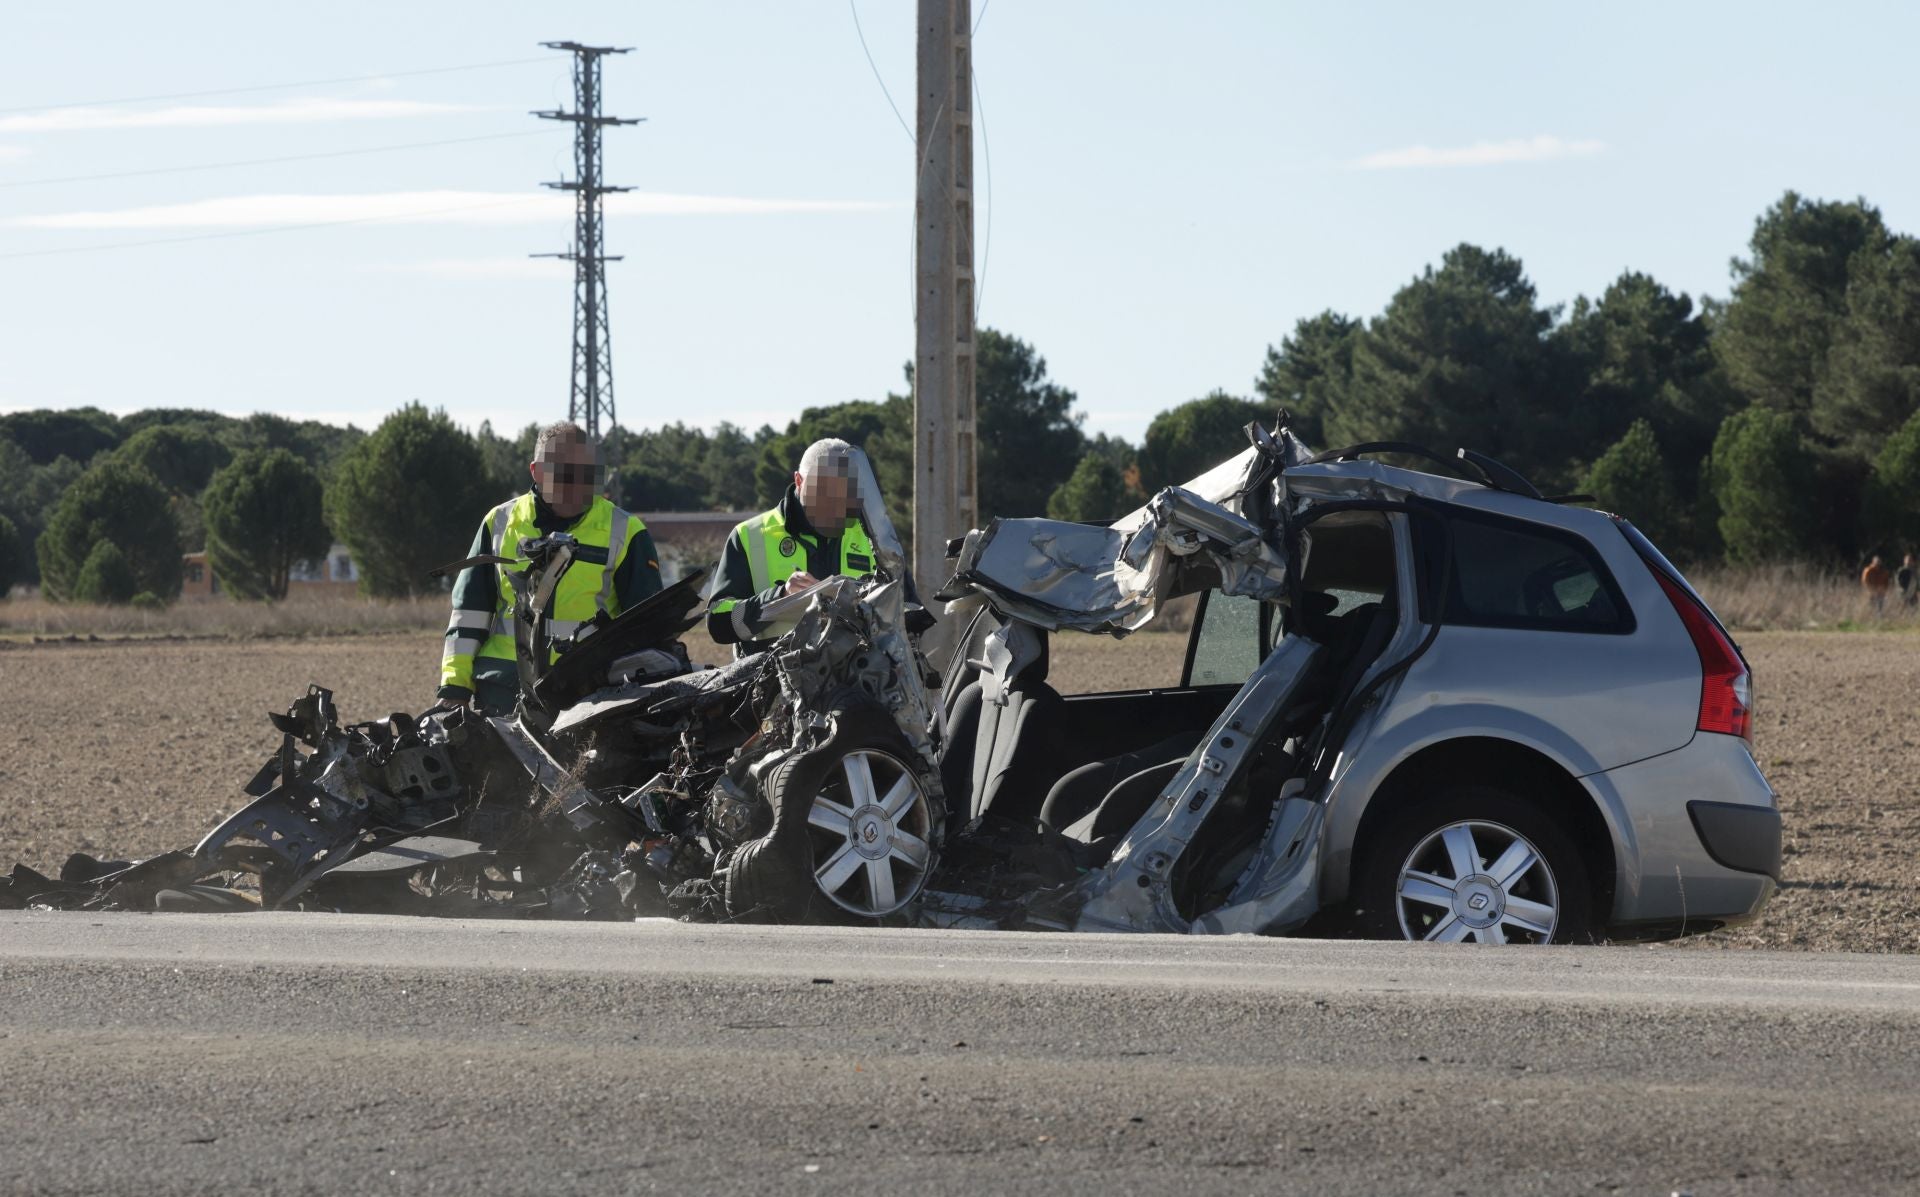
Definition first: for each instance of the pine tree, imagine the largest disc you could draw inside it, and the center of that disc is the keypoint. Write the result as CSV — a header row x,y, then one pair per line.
x,y
1764,486
1095,492
106,577
263,515
1631,480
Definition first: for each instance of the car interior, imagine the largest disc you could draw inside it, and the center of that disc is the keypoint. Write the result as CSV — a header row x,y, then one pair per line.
x,y
1087,766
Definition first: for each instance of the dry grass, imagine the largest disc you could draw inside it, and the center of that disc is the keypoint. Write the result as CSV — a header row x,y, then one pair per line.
x,y
1797,597
1768,598
299,615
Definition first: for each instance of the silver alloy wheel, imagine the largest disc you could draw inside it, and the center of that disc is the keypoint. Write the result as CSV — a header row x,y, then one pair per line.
x,y
871,827
1479,880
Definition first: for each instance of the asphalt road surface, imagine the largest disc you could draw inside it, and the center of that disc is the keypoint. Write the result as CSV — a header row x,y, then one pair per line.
x,y
296,1052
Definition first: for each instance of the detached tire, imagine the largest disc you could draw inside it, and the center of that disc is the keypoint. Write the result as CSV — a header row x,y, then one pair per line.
x,y
1474,864
764,884
856,830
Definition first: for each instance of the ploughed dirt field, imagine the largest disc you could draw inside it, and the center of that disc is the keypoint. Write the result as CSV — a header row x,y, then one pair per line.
x,y
124,749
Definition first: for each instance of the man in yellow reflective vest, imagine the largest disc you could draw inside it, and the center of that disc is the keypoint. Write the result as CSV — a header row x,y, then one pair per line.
x,y
822,526
614,567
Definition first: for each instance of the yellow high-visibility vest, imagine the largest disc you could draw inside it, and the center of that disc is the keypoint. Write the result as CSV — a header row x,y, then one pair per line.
x,y
774,554
585,589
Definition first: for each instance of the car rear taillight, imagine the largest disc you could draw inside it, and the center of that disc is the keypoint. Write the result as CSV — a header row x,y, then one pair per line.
x,y
1726,685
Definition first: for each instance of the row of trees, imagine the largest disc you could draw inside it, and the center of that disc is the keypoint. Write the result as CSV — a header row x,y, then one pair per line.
x,y
1781,422
1778,423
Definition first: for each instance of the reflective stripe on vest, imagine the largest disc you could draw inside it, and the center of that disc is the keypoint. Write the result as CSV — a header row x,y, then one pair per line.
x,y
503,612
616,535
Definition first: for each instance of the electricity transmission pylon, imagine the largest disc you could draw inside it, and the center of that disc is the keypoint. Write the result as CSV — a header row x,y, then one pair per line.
x,y
590,402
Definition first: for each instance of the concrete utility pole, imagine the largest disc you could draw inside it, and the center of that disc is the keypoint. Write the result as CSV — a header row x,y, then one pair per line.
x,y
944,494
590,403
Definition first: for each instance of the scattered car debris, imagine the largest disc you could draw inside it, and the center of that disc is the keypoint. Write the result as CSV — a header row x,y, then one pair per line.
x,y
659,790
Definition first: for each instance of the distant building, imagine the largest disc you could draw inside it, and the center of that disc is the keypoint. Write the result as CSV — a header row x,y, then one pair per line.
x,y
196,577
333,574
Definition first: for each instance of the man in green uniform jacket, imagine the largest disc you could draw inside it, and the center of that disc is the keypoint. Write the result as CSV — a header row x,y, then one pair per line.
x,y
614,567
819,529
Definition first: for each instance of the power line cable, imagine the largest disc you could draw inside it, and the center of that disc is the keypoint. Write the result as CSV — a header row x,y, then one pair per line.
x,y
904,127
279,228
235,91
986,146
986,149
987,250
167,170
913,231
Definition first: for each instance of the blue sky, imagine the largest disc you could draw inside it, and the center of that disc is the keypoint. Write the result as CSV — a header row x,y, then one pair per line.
x,y
1172,186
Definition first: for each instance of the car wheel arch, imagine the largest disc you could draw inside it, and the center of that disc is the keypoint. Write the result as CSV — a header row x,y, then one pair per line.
x,y
1490,760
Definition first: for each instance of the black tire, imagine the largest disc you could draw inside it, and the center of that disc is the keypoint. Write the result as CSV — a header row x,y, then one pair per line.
x,y
1560,878
772,879
767,882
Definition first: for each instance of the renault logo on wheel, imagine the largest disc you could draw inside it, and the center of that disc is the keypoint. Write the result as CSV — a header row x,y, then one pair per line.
x,y
1477,902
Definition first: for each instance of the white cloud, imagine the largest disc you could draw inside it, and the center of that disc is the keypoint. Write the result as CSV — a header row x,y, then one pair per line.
x,y
286,112
1544,148
11,153
654,203
434,207
472,268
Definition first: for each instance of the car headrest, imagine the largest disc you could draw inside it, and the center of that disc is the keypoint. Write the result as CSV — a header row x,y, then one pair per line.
x,y
1312,613
1318,604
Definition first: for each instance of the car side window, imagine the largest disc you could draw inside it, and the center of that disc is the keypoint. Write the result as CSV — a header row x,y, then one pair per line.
x,y
1225,649
1510,574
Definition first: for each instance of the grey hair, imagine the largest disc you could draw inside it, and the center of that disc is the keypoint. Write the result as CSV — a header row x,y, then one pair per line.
x,y
556,434
828,449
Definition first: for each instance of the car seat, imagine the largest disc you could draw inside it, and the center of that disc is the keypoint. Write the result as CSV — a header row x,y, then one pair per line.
x,y
1122,807
1081,791
993,750
1010,746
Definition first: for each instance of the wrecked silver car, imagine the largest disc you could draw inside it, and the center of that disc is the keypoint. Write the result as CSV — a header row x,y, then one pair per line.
x,y
1413,704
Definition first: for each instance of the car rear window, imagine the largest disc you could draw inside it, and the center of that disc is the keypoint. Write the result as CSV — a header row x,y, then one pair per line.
x,y
1512,574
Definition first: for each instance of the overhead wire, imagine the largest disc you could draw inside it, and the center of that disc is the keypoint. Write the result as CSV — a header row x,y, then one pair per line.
x,y
986,148
167,170
235,91
854,8
288,228
921,165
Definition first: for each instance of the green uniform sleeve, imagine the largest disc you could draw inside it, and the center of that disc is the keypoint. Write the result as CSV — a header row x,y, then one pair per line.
x,y
476,592
733,608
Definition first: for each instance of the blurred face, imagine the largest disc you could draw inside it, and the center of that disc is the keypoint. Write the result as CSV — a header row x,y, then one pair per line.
x,y
567,475
827,494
